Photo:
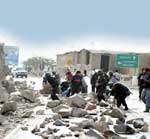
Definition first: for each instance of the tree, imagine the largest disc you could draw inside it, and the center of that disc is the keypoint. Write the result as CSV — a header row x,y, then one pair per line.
x,y
36,64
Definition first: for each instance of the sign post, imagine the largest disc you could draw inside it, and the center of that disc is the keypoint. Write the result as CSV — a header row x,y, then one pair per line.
x,y
127,61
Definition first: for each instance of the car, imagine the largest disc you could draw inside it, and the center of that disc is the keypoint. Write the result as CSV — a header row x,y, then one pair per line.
x,y
19,72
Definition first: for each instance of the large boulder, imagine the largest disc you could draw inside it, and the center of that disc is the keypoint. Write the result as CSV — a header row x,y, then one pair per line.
x,y
90,106
78,112
9,85
8,106
59,107
138,123
124,129
116,113
102,125
86,124
53,103
65,113
94,133
77,101
3,95
15,96
28,95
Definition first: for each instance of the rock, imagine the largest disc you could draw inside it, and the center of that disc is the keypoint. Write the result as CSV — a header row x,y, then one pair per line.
x,y
45,135
120,121
94,133
36,129
61,106
65,113
138,123
86,124
8,106
78,112
2,119
124,129
101,125
27,114
132,120
53,103
9,85
15,97
74,128
109,134
24,128
56,116
90,106
110,122
118,137
40,112
143,137
77,101
145,128
42,125
116,113
3,95
29,95
59,123
103,104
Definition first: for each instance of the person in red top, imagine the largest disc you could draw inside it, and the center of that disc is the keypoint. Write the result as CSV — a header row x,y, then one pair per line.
x,y
69,76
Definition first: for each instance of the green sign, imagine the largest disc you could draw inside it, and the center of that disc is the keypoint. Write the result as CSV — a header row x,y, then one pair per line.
x,y
127,60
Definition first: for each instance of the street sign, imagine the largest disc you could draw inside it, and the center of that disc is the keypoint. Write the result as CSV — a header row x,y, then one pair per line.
x,y
127,60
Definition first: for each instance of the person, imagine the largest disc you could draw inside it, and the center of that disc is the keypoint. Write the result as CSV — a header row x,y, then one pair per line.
x,y
101,85
145,96
112,78
65,88
120,93
56,76
69,76
53,85
85,82
141,82
117,76
93,81
76,83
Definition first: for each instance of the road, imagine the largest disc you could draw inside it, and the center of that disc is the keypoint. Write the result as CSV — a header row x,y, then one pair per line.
x,y
136,108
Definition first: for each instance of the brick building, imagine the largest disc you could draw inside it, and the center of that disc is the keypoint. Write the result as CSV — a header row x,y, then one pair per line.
x,y
94,59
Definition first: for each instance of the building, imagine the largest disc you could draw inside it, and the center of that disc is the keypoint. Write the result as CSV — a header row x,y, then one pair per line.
x,y
94,59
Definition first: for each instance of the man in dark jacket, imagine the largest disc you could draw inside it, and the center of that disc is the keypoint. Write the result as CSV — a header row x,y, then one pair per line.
x,y
76,83
120,93
146,90
93,81
141,82
101,85
54,84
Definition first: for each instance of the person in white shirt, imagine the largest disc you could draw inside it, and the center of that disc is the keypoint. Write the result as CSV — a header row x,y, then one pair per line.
x,y
117,76
85,82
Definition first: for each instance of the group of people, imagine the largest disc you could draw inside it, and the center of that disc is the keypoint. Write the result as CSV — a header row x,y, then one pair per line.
x,y
144,87
100,81
79,82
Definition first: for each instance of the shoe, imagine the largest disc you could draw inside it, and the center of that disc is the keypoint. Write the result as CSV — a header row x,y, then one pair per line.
x,y
126,109
146,111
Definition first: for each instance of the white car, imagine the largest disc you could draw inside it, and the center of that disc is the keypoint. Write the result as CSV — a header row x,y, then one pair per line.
x,y
19,72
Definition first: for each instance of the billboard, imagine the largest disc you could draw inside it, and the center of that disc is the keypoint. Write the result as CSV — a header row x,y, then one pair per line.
x,y
11,55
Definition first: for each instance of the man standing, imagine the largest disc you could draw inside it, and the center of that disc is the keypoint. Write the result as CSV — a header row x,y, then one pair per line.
x,y
76,83
146,90
141,82
93,81
85,82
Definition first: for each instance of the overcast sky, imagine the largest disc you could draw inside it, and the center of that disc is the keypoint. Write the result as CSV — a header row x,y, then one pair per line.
x,y
74,24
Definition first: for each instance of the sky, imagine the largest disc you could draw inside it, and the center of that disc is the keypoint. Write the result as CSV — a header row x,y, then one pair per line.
x,y
58,26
